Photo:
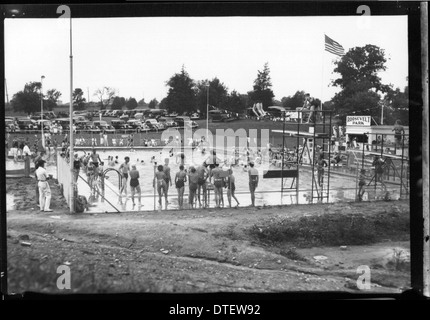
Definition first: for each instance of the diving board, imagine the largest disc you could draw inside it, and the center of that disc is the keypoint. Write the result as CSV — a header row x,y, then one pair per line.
x,y
302,133
386,155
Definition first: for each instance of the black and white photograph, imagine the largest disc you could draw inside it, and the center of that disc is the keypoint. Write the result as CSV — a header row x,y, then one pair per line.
x,y
205,151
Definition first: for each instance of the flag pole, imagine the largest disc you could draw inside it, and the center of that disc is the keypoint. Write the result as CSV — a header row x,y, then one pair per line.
x,y
322,75
71,139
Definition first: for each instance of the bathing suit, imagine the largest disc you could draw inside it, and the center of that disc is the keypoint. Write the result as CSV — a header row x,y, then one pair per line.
x,y
219,182
193,187
180,183
134,182
231,185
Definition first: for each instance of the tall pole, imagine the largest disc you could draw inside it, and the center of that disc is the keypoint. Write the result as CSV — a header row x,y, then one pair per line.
x,y
207,114
41,110
71,140
7,95
322,72
382,114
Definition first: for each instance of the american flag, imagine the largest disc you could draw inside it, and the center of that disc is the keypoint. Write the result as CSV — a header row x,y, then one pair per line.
x,y
333,47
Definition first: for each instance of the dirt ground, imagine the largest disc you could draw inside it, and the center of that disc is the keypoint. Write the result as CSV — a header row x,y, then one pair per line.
x,y
190,251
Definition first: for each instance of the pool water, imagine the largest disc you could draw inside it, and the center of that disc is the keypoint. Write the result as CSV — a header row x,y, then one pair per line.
x,y
342,188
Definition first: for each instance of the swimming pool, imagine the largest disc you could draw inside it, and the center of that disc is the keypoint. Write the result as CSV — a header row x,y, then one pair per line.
x,y
342,188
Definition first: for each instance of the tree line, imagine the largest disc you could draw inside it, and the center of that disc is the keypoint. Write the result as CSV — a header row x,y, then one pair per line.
x,y
361,92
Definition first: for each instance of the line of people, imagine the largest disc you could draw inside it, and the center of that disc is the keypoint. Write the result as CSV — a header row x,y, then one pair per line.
x,y
200,179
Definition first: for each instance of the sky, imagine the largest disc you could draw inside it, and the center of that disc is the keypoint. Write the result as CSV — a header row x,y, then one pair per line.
x,y
137,56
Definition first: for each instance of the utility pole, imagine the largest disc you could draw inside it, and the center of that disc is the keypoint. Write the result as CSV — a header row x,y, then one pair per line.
x,y
7,95
382,114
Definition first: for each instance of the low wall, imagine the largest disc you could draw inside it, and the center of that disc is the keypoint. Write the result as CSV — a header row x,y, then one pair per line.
x,y
64,177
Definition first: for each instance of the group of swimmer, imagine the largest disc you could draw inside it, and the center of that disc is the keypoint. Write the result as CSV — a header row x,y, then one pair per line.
x,y
201,178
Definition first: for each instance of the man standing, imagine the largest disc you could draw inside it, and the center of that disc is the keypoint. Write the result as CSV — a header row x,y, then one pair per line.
x,y
253,181
124,169
202,172
27,153
95,158
168,178
193,179
216,173
36,165
44,189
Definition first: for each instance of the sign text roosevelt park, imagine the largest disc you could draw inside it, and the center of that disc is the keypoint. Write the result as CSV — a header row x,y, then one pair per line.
x,y
358,120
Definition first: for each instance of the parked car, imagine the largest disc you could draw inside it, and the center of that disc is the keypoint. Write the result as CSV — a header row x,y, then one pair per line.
x,y
64,123
152,124
26,124
48,114
86,114
99,123
168,122
116,113
46,124
144,127
124,117
139,116
11,126
38,116
62,114
195,116
117,123
126,128
182,120
134,123
93,129
108,129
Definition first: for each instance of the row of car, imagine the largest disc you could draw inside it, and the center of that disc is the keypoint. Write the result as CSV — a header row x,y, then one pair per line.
x,y
82,124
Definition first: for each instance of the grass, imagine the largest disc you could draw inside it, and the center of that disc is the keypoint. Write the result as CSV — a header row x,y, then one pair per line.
x,y
333,229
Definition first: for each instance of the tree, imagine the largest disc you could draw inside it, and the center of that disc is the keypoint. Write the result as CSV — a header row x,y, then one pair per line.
x,y
131,104
142,103
78,99
295,101
181,95
397,106
52,97
359,79
153,104
236,102
217,95
262,88
118,103
163,104
105,95
27,100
